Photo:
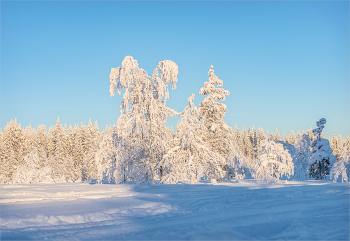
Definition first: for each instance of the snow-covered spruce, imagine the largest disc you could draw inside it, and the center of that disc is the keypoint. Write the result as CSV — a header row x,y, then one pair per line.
x,y
273,162
302,156
321,160
190,159
342,167
217,133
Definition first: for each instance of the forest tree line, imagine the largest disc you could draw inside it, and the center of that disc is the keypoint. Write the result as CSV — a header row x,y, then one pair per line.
x,y
141,148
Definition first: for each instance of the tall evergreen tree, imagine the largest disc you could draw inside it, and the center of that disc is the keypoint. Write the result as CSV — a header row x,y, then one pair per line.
x,y
191,159
217,133
57,151
42,145
291,139
321,159
284,139
277,135
12,158
302,156
260,136
236,135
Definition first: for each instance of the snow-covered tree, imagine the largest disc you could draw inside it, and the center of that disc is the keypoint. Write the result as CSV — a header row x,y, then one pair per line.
x,y
342,167
144,111
30,171
311,135
217,133
333,143
277,135
273,162
12,153
246,146
253,152
3,178
260,136
236,135
237,165
41,145
191,159
302,156
29,140
340,146
291,138
321,159
298,135
57,148
285,139
108,160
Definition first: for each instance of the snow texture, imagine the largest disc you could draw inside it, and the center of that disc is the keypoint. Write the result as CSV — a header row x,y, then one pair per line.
x,y
244,210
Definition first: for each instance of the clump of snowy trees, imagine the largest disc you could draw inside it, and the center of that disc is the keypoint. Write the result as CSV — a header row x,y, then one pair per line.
x,y
30,156
273,162
140,148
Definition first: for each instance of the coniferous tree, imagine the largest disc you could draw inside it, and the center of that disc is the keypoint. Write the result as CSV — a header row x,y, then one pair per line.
x,y
254,144
311,135
217,133
42,145
298,135
57,151
236,135
191,159
284,139
302,156
321,159
3,157
13,140
333,144
342,167
291,139
277,135
260,136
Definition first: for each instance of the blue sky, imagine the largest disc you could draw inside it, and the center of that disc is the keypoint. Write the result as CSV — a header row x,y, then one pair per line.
x,y
286,64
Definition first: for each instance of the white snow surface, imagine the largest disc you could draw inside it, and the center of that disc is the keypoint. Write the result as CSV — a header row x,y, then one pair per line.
x,y
240,210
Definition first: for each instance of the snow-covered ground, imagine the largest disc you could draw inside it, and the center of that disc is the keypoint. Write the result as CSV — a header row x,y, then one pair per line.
x,y
306,210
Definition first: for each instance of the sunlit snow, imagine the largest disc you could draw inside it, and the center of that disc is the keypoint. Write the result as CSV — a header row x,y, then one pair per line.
x,y
236,210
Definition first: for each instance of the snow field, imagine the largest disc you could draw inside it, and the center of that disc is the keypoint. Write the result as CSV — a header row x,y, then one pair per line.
x,y
245,210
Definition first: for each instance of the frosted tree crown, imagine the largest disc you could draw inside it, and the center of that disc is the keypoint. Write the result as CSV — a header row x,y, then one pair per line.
x,y
320,125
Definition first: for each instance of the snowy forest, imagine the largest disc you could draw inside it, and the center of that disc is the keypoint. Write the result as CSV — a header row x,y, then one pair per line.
x,y
141,148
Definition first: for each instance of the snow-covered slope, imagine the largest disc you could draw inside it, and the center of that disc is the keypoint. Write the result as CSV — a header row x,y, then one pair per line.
x,y
243,210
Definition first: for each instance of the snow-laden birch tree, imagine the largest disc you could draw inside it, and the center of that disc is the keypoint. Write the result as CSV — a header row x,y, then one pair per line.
x,y
273,162
144,111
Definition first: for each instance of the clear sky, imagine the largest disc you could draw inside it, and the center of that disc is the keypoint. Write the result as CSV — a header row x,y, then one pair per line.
x,y
286,64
